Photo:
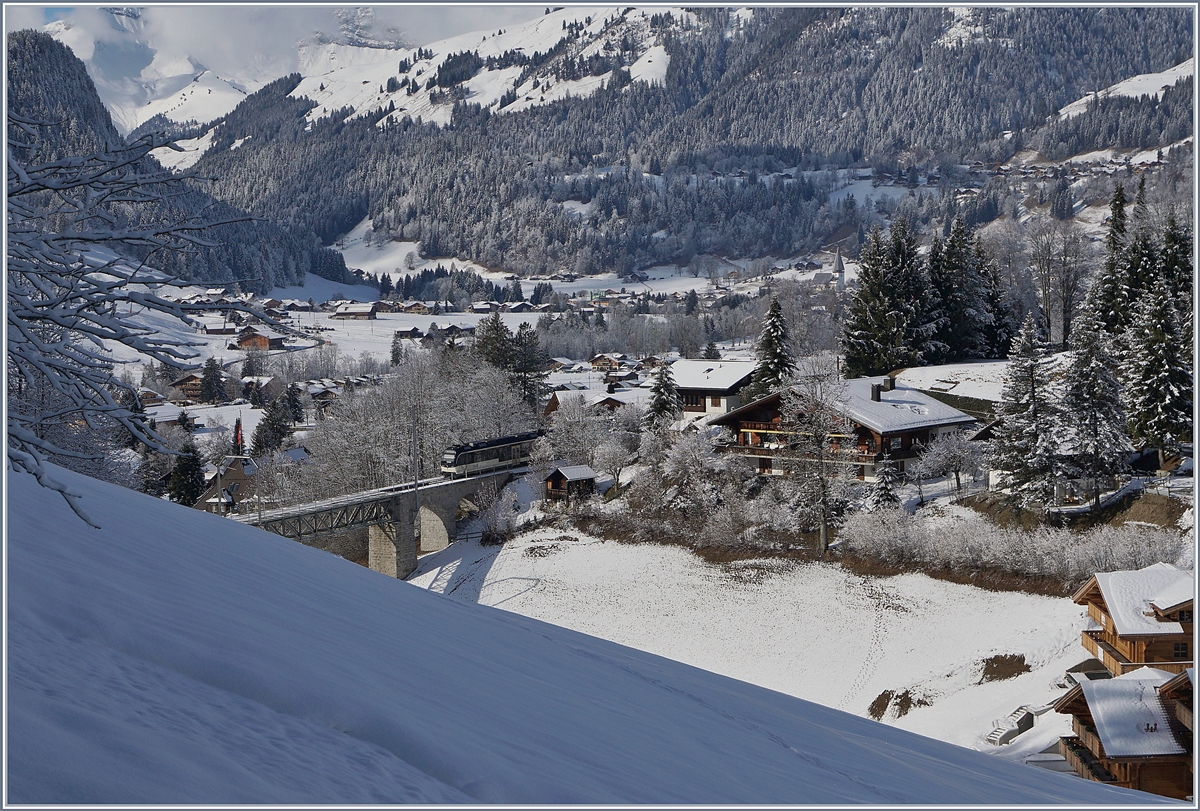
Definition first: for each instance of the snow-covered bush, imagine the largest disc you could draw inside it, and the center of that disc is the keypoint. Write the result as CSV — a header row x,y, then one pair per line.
x,y
964,540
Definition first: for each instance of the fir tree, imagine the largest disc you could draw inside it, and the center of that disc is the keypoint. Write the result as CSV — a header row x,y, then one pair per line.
x,y
1090,407
1158,381
882,494
493,341
959,286
665,404
527,365
187,476
776,363
1024,445
999,329
271,430
891,319
386,288
212,387
691,303
397,349
295,407
1109,296
711,352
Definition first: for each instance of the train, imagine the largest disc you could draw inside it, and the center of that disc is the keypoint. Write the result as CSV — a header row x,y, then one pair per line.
x,y
489,455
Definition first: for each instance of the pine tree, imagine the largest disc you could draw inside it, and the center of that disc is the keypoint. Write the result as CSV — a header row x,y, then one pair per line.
x,y
959,286
494,341
397,349
665,403
187,476
386,288
514,291
1090,407
776,363
1024,445
999,329
271,430
711,352
1109,296
212,387
882,494
1158,381
527,365
891,318
691,303
295,408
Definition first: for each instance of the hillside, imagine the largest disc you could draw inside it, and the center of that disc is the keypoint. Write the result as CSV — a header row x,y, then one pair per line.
x,y
177,657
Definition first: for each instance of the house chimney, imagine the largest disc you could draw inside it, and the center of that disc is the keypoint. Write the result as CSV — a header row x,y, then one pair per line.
x,y
875,389
889,383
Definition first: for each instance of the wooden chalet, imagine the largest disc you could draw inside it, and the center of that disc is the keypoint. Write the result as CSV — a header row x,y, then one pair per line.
x,y
608,362
711,386
1130,731
570,481
1144,618
258,338
356,310
228,486
881,419
189,384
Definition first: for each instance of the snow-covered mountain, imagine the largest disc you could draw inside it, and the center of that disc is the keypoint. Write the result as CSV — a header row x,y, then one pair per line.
x,y
177,657
1144,84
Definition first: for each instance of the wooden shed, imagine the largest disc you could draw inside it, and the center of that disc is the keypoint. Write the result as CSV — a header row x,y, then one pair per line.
x,y
570,481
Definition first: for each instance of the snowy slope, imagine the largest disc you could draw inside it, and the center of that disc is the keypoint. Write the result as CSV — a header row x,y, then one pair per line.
x,y
1145,84
349,79
174,656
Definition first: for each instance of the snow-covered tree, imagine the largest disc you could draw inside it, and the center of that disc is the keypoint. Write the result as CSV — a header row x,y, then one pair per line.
x,y
775,361
272,429
890,318
1158,381
493,341
527,365
1025,444
577,430
711,352
212,385
882,493
1109,297
959,284
66,300
187,476
951,453
1090,408
665,403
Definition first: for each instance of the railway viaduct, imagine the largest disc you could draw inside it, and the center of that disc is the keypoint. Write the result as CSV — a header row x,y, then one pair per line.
x,y
401,521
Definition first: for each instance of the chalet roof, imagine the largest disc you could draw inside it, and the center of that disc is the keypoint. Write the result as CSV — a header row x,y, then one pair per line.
x,y
1179,593
1123,707
720,375
574,473
358,307
1128,596
901,409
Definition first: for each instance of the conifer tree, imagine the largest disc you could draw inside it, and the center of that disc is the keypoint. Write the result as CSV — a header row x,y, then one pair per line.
x,y
1158,381
1025,445
665,404
295,408
527,365
271,430
1091,411
187,476
493,341
999,329
212,387
397,356
891,319
776,363
959,286
711,352
882,494
1109,296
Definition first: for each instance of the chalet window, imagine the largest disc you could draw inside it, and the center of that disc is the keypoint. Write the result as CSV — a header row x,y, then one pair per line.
x,y
1181,650
892,443
716,402
1185,615
693,400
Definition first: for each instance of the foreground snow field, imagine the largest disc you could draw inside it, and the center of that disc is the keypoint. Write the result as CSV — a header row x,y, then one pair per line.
x,y
177,657
814,631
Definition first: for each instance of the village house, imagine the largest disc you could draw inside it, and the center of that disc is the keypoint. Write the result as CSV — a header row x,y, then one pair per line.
x,y
883,419
268,386
711,386
356,310
1144,617
258,338
608,362
188,385
1132,731
227,486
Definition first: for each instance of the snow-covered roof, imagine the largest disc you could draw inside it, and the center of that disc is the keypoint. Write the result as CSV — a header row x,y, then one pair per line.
x,y
720,375
1174,595
901,409
1130,718
575,473
1128,596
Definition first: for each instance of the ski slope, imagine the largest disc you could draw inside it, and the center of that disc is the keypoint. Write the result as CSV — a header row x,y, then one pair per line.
x,y
177,657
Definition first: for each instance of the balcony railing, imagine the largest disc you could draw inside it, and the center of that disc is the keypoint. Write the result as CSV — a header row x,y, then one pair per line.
x,y
1083,762
1117,664
1183,713
1088,737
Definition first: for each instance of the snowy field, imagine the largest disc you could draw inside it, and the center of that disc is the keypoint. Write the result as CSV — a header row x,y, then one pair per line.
x,y
983,380
813,631
1144,84
177,657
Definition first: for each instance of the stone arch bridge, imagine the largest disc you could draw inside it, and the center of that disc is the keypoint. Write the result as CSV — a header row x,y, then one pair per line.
x,y
402,521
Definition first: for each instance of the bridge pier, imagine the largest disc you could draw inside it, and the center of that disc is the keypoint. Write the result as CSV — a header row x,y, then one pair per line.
x,y
437,526
392,549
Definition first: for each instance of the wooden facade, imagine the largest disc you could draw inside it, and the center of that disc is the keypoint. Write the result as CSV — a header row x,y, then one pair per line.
x,y
1162,639
574,481
1163,765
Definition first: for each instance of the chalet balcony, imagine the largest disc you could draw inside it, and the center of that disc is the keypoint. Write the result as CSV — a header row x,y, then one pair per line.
x,y
1088,737
1084,762
1183,713
1116,663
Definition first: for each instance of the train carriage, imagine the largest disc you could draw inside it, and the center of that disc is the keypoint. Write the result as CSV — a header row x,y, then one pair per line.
x,y
489,455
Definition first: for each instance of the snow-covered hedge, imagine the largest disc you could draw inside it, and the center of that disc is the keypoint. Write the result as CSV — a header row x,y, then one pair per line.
x,y
965,540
